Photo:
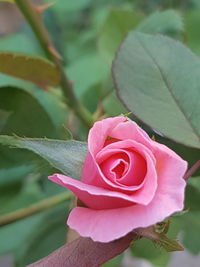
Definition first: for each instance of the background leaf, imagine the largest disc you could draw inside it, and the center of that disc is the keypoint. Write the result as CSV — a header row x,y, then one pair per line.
x,y
29,68
115,28
166,22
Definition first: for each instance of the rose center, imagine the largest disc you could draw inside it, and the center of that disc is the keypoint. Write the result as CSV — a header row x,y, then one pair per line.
x,y
126,168
120,169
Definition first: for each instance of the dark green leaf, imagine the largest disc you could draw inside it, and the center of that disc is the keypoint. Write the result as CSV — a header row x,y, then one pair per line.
x,y
66,156
47,99
3,117
15,173
29,68
28,117
152,75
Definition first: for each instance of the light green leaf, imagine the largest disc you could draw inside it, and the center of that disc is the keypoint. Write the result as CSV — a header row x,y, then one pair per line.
x,y
190,227
87,71
66,156
112,106
115,28
168,21
146,249
158,79
28,44
29,68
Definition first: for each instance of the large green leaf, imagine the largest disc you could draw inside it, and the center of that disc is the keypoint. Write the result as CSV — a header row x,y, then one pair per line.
x,y
168,21
66,156
158,79
29,68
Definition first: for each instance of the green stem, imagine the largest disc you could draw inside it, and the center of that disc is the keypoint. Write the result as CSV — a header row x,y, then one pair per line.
x,y
34,19
34,208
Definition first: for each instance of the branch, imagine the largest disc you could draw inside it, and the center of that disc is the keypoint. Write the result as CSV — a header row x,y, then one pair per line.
x,y
33,17
34,208
192,170
84,252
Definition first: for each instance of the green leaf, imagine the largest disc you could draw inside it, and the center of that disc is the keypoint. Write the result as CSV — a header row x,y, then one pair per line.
x,y
4,115
157,234
192,198
112,106
62,6
168,21
66,156
29,193
28,117
152,75
14,235
45,238
115,262
29,68
115,28
87,71
47,99
15,173
189,225
192,22
28,44
146,249
168,244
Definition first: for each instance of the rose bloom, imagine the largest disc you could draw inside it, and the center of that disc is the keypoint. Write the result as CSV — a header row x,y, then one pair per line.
x,y
128,181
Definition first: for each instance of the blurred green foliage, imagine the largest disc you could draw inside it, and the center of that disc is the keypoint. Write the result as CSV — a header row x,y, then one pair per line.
x,y
87,34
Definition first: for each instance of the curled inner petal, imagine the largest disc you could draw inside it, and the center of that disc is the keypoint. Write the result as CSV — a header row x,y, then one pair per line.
x,y
120,168
127,167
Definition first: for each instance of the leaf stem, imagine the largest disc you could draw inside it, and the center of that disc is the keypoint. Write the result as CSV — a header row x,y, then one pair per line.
x,y
34,208
33,17
192,170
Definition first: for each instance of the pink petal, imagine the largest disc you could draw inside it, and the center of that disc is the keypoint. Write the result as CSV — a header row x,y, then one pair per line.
x,y
108,225
130,130
95,197
100,131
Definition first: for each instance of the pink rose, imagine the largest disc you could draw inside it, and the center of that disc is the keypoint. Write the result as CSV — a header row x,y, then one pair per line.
x,y
128,181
